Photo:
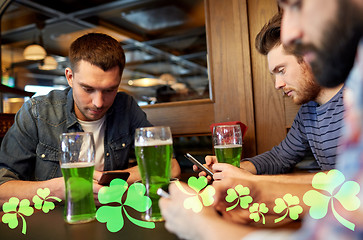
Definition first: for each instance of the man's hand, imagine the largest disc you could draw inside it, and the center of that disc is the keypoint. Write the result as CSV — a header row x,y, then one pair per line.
x,y
209,162
225,170
181,221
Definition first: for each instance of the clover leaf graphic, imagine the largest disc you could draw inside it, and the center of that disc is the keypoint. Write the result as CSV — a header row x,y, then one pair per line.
x,y
330,182
256,210
197,184
112,215
40,202
291,204
242,198
12,212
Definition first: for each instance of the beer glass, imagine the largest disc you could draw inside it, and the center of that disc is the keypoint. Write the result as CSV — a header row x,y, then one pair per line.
x,y
77,164
153,150
227,140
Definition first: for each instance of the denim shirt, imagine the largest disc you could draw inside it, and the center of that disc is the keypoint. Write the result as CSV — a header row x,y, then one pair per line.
x,y
30,149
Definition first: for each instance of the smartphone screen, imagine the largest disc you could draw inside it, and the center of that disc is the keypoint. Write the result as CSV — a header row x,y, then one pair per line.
x,y
200,166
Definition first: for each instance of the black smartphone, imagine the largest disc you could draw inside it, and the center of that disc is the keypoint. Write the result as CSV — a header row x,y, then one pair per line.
x,y
200,166
107,177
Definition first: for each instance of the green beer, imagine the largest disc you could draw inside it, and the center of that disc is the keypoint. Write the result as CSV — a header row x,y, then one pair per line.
x,y
230,153
78,178
154,161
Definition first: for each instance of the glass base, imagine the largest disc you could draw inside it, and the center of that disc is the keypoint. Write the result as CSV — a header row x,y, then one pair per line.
x,y
148,218
75,220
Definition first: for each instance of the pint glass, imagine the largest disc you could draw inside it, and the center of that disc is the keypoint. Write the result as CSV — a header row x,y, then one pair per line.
x,y
227,140
77,164
153,150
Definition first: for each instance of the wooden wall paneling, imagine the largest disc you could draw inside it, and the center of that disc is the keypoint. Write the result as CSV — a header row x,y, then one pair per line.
x,y
291,110
229,65
184,118
268,102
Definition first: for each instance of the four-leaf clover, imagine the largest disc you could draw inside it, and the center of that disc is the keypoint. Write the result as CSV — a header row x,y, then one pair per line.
x,y
112,215
242,198
197,184
330,182
291,204
40,202
256,210
12,212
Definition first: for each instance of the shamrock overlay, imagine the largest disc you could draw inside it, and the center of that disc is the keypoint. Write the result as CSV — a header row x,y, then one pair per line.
x,y
40,202
330,183
112,215
241,194
14,208
197,184
290,204
256,210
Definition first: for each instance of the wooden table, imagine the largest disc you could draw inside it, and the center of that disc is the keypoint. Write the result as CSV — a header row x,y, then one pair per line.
x,y
51,226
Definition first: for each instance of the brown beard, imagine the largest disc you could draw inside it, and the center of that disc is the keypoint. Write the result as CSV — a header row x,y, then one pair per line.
x,y
309,89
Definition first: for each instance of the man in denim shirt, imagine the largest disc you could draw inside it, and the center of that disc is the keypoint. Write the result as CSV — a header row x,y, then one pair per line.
x,y
29,156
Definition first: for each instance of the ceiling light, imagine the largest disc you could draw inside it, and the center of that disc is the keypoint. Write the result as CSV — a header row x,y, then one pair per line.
x,y
146,82
49,63
34,52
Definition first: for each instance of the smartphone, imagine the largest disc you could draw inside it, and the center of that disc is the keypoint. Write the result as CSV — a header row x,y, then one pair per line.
x,y
162,193
107,177
200,166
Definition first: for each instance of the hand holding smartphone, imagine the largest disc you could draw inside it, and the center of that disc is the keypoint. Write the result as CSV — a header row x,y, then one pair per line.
x,y
107,177
199,165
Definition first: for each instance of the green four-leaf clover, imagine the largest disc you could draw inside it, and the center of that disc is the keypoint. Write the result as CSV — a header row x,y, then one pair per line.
x,y
291,204
330,182
12,212
241,194
112,215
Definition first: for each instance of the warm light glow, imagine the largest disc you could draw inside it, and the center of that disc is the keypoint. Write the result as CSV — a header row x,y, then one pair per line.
x,y
49,64
34,52
146,82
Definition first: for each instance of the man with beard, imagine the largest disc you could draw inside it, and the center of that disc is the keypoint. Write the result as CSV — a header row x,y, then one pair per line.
x,y
317,126
327,33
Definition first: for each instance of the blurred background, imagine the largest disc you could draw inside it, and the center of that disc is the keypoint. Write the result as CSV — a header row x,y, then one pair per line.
x,y
164,43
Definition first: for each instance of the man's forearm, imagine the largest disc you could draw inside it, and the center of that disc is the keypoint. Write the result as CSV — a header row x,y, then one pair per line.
x,y
248,166
28,189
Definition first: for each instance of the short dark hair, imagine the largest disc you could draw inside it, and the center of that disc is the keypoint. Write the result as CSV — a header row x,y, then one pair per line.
x,y
269,37
98,49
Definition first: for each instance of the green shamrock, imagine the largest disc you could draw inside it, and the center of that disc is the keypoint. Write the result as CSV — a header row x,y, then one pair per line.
x,y
12,212
112,215
256,210
197,184
242,198
40,202
291,204
346,195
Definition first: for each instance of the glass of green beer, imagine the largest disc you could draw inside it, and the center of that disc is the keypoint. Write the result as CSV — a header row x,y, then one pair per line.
x,y
227,140
77,164
153,150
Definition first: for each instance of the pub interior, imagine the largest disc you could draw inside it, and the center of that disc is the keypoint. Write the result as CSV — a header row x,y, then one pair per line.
x,y
189,64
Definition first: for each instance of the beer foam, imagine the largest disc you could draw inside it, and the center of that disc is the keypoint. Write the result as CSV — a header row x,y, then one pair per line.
x,y
228,146
77,165
153,143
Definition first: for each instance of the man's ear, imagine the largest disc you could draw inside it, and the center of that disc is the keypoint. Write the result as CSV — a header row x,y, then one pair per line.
x,y
69,75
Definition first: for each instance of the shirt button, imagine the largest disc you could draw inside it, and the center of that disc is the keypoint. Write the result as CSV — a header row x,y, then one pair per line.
x,y
107,154
123,145
43,155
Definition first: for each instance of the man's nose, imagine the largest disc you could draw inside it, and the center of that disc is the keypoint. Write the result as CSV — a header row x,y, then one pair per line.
x,y
98,99
279,83
291,31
